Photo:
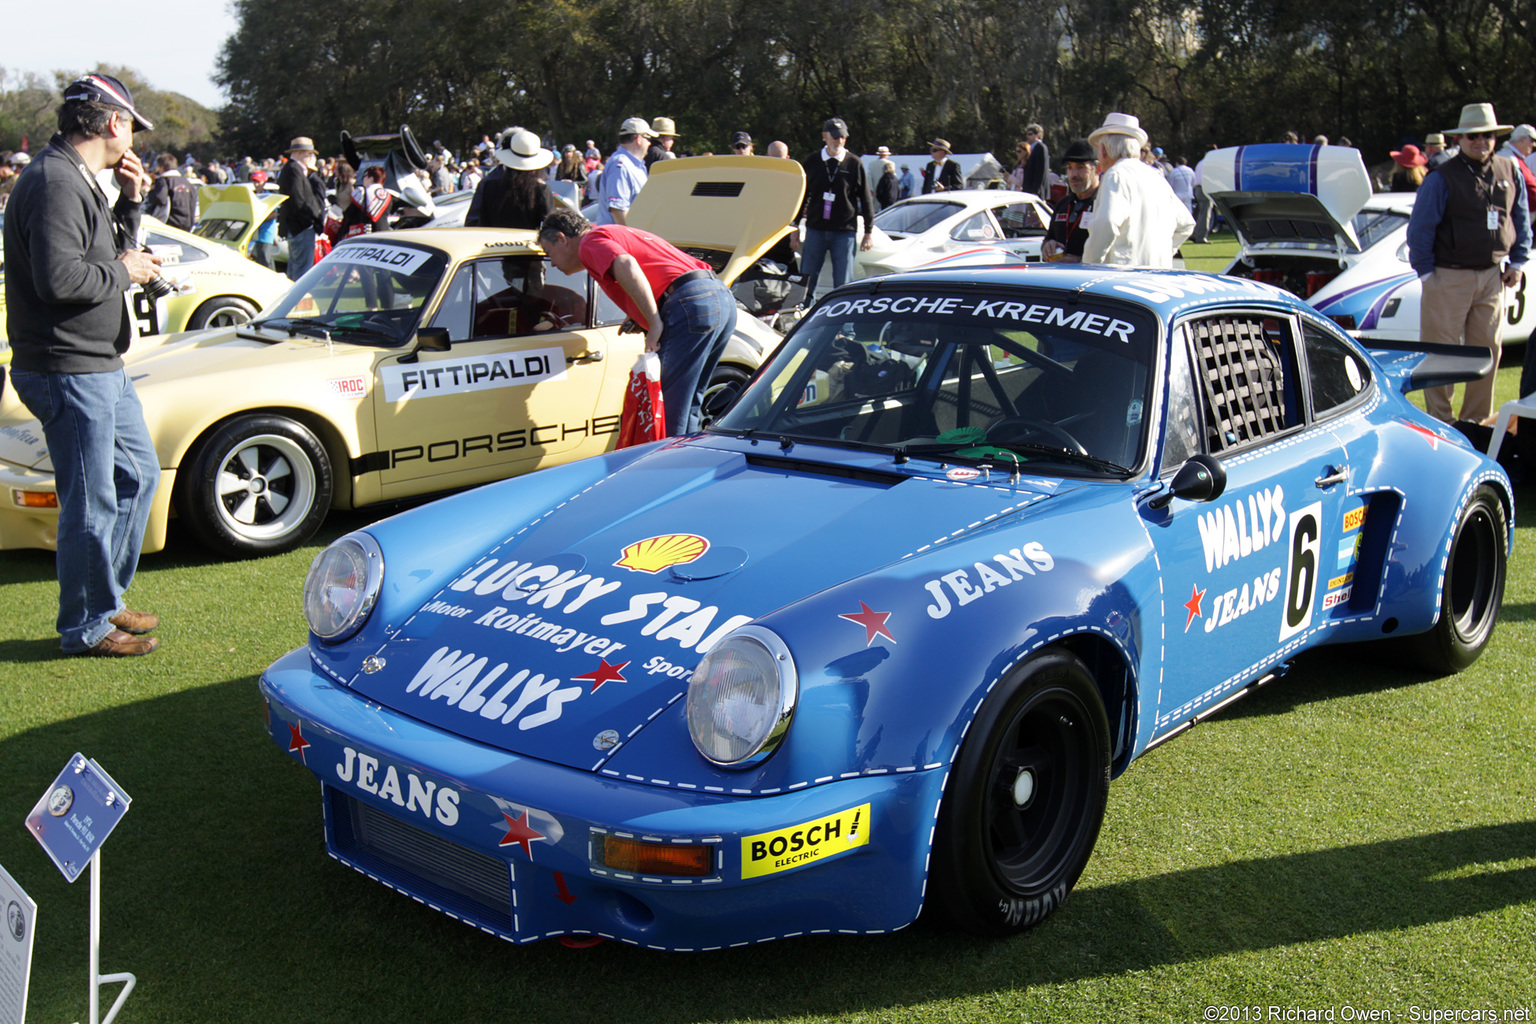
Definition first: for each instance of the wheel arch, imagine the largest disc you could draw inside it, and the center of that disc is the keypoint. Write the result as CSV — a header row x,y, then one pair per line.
x,y
1115,678
326,432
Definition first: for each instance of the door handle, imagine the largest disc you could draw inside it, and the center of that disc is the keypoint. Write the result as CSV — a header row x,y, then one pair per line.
x,y
1335,475
586,357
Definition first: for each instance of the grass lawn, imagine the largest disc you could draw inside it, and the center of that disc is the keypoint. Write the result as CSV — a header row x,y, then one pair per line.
x,y
1352,837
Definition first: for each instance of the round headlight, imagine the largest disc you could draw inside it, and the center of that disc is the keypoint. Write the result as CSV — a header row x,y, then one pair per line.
x,y
741,698
342,586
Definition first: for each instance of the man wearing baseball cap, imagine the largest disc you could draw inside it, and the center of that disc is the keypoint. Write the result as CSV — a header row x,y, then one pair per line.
x,y
71,257
836,195
625,172
1468,238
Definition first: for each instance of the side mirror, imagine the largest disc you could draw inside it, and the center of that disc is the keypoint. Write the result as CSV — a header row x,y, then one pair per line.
x,y
428,339
1202,478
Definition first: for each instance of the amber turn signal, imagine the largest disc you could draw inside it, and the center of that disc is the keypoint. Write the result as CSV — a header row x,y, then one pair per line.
x,y
642,858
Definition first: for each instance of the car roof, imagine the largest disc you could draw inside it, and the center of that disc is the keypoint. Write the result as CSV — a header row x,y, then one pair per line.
x,y
1168,292
975,197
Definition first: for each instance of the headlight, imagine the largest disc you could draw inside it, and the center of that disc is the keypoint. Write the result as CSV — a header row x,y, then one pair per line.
x,y
741,698
342,586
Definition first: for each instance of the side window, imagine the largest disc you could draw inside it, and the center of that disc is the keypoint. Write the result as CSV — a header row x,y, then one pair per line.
x,y
978,227
1335,375
457,306
1183,431
565,296
1247,374
1021,220
173,250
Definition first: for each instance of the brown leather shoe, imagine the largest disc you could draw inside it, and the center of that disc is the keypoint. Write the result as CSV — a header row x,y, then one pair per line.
x,y
130,621
118,644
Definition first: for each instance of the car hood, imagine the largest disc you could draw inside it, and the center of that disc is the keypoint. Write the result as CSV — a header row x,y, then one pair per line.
x,y
588,622
726,210
237,203
1288,194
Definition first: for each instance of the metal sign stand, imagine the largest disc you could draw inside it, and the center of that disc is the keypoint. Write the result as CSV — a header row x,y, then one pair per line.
x,y
97,978
72,820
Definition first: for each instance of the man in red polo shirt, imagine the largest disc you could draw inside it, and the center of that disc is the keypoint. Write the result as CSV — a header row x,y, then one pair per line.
x,y
687,313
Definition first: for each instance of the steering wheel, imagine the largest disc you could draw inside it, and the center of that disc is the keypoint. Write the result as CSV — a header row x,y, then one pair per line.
x,y
1020,428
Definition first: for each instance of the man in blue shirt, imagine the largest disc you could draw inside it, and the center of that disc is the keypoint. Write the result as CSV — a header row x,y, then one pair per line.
x,y
624,174
1469,217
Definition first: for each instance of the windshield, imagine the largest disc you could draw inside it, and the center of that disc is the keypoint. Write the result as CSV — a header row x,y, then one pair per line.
x,y
911,218
985,376
371,293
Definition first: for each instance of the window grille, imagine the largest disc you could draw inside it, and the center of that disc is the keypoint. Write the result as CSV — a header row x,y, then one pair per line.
x,y
1243,376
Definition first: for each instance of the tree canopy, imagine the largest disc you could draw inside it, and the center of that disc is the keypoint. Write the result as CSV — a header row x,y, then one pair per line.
x,y
29,106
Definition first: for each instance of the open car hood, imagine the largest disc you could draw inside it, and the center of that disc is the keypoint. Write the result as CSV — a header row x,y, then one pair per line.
x,y
1288,194
726,210
240,203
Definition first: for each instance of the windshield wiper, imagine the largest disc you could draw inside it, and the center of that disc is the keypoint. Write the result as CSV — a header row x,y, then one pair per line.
x,y
1022,448
295,326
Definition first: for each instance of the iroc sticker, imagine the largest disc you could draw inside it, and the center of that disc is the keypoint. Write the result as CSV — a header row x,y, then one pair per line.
x,y
806,843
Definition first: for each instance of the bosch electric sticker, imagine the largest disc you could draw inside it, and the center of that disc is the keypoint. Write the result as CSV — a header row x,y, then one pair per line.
x,y
472,373
806,843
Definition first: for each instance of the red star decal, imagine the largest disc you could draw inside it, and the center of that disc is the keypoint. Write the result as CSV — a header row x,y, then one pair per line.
x,y
1196,595
297,742
519,833
1429,435
604,673
872,621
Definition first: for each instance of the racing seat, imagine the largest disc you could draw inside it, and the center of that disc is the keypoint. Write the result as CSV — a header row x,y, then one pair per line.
x,y
1106,405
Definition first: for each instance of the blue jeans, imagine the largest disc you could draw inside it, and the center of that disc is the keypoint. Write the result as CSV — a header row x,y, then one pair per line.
x,y
818,245
105,471
697,320
301,253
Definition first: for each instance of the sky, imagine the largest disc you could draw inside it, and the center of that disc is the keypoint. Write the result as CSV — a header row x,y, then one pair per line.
x,y
172,48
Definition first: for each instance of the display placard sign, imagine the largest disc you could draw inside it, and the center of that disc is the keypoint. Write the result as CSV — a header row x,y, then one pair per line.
x,y
77,813
17,924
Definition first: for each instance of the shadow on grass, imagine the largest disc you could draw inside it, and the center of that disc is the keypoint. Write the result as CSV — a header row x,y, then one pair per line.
x,y
219,896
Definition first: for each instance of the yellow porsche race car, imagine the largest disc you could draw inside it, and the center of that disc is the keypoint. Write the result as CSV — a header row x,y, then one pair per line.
x,y
406,363
210,285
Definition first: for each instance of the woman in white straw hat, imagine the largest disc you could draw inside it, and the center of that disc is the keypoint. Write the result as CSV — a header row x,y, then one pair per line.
x,y
516,194
1137,219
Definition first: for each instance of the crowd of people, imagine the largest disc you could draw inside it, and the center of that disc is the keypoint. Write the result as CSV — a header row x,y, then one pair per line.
x,y
1121,201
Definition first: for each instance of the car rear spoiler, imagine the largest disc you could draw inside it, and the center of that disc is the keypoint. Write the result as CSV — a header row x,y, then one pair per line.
x,y
401,157
1414,365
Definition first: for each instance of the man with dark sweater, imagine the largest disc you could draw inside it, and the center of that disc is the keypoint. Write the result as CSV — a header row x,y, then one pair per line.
x,y
71,258
836,195
173,197
1470,216
303,213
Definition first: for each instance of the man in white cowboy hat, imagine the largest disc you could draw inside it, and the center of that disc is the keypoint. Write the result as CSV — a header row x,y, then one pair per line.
x,y
1470,217
516,149
625,172
304,212
1137,220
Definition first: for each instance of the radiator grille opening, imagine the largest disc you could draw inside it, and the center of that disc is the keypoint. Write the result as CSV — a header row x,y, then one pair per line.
x,y
471,884
719,189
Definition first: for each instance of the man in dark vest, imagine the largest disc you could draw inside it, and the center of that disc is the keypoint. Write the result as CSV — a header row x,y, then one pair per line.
x,y
1469,218
1073,212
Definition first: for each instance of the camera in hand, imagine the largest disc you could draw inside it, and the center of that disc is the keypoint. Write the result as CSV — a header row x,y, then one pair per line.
x,y
159,286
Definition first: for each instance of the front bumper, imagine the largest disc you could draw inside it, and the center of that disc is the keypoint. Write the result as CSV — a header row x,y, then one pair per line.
x,y
505,843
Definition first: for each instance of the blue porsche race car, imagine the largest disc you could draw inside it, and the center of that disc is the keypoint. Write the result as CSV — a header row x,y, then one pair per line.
x,y
877,640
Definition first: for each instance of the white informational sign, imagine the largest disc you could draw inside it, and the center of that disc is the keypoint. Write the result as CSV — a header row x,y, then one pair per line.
x,y
16,928
386,257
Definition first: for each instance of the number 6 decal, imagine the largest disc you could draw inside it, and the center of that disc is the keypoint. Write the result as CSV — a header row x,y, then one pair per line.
x,y
1301,569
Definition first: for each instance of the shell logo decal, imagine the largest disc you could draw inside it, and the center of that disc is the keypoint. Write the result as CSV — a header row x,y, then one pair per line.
x,y
657,553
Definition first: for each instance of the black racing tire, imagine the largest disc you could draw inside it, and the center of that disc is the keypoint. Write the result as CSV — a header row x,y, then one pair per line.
x,y
723,376
221,311
1024,801
1472,591
256,485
